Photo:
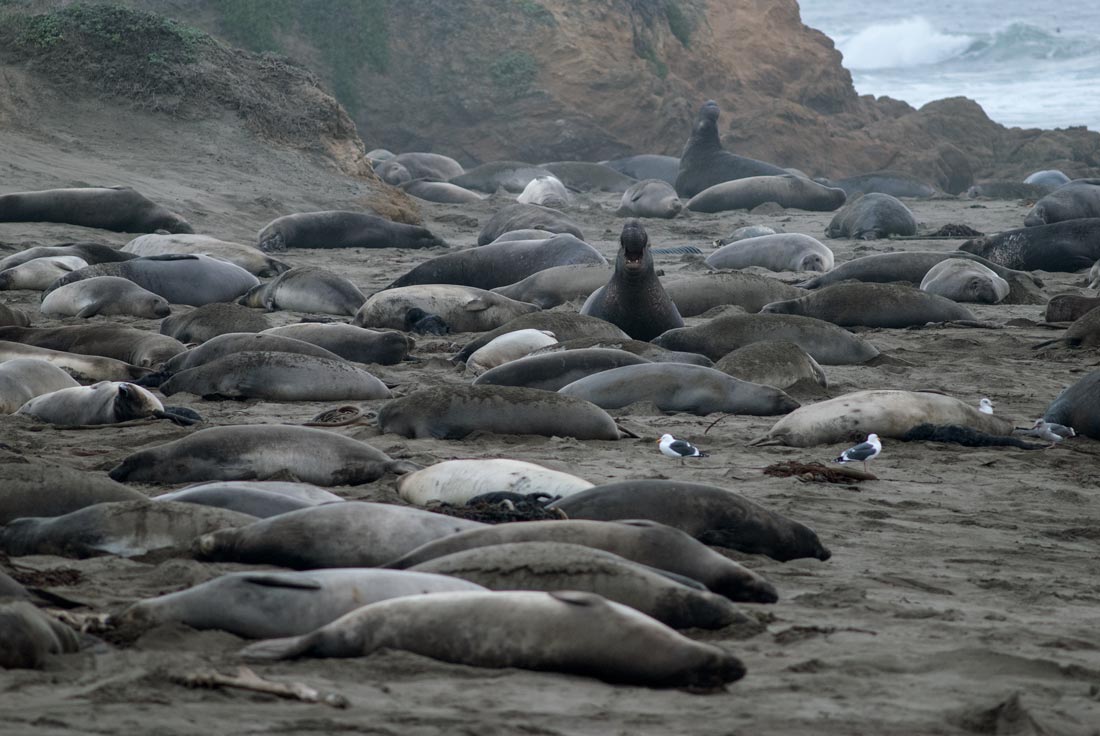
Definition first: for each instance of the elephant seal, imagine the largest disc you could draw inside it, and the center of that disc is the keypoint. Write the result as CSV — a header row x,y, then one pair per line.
x,y
440,191
23,379
210,320
252,501
1006,190
500,264
565,325
12,317
28,636
547,191
563,631
772,363
45,489
553,371
527,216
704,163
744,233
885,413
963,280
646,350
508,347
525,234
217,493
827,343
457,481
1060,308
647,166
257,451
697,294
1076,200
712,515
106,402
679,387
236,343
556,285
349,534
511,176
871,217
181,279
1076,407
639,540
650,198
248,257
39,273
128,344
1067,246
1050,178
422,323
549,566
81,367
463,308
121,528
350,343
90,252
104,295
634,299
452,412
585,176
278,377
379,154
419,165
894,183
339,229
786,190
306,289
261,605
1083,333
109,208
873,305
779,252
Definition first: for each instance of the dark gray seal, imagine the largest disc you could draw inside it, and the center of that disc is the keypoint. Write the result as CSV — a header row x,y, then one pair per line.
x,y
501,264
210,320
772,363
894,183
551,566
128,344
697,294
348,534
647,166
634,299
583,176
512,176
871,217
552,371
779,252
278,377
110,208
45,489
306,289
564,325
252,501
873,305
339,229
639,540
712,515
258,451
521,216
1061,308
704,163
650,198
556,285
1076,200
1078,407
92,253
28,636
1084,332
349,342
440,191
827,343
302,492
418,165
181,279
679,387
235,343
786,190
1067,246
453,412
88,368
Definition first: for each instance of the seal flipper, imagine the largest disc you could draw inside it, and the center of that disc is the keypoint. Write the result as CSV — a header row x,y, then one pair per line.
x,y
89,311
273,649
576,597
281,580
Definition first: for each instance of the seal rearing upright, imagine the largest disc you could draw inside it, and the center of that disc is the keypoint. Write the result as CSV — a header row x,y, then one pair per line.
x,y
705,163
634,299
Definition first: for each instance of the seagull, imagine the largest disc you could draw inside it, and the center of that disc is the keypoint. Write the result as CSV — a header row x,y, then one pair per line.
x,y
985,406
862,452
679,448
1050,432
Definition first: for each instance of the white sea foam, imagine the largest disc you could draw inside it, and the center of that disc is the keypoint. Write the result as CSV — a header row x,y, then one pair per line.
x,y
903,43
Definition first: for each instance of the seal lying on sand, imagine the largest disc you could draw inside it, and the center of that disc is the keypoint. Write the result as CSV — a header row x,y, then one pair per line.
x,y
111,208
338,229
871,217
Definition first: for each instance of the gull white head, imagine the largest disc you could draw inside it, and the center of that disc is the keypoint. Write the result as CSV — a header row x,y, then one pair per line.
x,y
985,406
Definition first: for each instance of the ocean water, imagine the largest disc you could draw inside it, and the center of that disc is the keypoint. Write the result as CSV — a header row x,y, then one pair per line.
x,y
1029,64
